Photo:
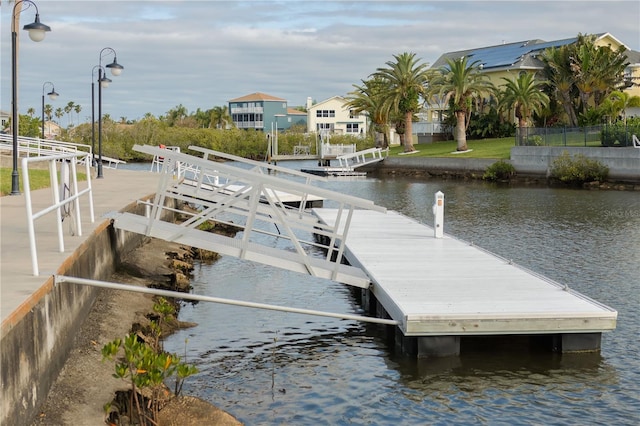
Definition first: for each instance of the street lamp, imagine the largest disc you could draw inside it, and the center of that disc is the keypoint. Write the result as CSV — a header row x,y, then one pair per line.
x,y
104,83
52,95
37,31
116,70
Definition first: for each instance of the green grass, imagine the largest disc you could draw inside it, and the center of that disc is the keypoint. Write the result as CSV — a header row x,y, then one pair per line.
x,y
38,179
485,148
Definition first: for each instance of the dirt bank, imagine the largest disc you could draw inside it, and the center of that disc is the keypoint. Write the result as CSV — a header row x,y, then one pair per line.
x,y
85,384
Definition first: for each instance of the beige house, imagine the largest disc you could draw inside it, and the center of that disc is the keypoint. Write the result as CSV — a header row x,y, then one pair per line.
x,y
332,116
508,60
4,119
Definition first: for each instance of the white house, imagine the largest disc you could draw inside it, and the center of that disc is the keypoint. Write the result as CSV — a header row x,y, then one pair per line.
x,y
333,116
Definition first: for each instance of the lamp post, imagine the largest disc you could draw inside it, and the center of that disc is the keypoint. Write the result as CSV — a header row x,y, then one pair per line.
x,y
104,83
37,32
116,70
52,95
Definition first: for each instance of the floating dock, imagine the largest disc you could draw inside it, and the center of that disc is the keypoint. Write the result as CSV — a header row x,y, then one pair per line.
x,y
441,289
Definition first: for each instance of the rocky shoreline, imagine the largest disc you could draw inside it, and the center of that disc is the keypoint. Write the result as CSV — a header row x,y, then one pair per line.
x,y
85,384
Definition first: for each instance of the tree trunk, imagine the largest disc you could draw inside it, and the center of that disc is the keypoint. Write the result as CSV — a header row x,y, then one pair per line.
x,y
461,135
408,136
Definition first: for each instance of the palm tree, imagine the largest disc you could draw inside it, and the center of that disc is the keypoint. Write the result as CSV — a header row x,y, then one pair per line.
x,y
370,98
67,109
220,117
459,84
77,108
59,113
617,103
48,111
31,111
525,96
406,81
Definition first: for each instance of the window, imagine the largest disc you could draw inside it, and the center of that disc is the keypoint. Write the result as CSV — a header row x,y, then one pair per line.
x,y
325,113
352,127
353,114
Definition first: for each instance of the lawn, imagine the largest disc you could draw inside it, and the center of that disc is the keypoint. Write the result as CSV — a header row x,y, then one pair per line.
x,y
485,148
38,179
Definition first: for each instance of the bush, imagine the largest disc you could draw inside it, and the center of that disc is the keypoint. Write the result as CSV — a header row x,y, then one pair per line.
x,y
578,169
500,170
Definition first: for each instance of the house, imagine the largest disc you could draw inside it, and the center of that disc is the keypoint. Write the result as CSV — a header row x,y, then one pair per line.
x,y
333,116
263,112
508,60
51,130
4,119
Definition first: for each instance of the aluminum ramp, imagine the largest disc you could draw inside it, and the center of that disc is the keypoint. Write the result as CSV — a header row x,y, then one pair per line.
x,y
272,232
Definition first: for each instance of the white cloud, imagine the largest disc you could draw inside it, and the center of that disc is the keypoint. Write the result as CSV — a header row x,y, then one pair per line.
x,y
203,53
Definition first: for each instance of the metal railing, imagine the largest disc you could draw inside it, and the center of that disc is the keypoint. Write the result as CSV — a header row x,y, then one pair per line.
x,y
559,136
62,202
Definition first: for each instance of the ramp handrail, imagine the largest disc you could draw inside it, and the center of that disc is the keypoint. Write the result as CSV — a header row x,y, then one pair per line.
x,y
59,202
252,201
359,157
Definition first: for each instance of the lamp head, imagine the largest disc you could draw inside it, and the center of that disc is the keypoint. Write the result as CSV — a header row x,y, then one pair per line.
x,y
104,82
53,95
37,30
115,67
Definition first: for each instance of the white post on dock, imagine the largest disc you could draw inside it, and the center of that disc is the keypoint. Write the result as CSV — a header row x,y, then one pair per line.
x,y
438,215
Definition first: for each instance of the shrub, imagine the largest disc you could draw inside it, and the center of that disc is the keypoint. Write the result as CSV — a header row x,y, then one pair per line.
x,y
500,170
578,169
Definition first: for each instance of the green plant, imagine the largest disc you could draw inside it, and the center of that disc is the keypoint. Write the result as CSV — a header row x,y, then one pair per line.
x,y
535,140
578,169
500,170
147,366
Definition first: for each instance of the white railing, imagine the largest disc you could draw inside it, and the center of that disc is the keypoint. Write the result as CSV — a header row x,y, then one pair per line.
x,y
41,147
636,142
36,147
360,158
256,200
62,202
329,150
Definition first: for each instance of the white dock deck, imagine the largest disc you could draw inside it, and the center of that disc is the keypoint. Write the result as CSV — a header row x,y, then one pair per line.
x,y
445,286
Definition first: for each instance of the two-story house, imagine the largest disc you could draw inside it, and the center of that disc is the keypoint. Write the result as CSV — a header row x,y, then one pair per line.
x,y
263,112
508,60
333,116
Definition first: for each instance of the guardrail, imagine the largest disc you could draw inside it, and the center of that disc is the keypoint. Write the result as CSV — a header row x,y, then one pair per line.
x,y
360,157
64,196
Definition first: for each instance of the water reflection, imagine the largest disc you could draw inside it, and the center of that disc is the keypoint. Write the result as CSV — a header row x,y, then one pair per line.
x,y
275,368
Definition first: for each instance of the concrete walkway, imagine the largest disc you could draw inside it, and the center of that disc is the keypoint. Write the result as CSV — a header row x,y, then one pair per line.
x,y
19,289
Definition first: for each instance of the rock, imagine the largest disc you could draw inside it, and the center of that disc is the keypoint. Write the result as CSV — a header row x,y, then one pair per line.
x,y
192,411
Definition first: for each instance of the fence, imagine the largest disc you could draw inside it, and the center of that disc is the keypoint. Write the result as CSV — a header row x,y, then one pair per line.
x,y
64,199
559,136
604,135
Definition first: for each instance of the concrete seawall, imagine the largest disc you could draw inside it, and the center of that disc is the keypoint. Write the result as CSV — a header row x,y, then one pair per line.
x,y
37,337
529,161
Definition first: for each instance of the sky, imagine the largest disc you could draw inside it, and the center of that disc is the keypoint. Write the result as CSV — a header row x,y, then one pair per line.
x,y
201,54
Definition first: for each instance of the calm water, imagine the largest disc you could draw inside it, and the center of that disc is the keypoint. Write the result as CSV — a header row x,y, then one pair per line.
x,y
271,368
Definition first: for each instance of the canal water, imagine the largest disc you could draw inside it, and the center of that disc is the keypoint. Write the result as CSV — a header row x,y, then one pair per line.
x,y
273,368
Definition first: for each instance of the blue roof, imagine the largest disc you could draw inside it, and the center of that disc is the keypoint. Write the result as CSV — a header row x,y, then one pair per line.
x,y
504,55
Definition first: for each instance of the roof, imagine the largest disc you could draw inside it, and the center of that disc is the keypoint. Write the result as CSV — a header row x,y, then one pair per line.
x,y
257,96
293,111
521,54
338,98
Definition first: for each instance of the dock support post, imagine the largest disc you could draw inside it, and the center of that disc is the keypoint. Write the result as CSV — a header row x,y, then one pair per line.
x,y
577,342
438,215
438,346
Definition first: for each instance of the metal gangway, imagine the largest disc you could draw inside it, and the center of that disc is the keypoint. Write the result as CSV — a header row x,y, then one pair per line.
x,y
362,158
37,147
250,198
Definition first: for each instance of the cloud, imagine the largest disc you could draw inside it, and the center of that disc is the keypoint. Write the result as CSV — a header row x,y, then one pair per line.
x,y
202,53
